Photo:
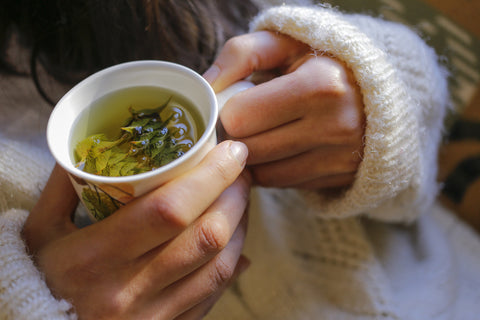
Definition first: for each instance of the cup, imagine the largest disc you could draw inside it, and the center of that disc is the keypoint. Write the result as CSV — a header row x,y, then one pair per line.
x,y
102,195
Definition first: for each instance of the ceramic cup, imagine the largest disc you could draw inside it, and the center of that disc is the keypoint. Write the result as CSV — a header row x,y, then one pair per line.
x,y
102,195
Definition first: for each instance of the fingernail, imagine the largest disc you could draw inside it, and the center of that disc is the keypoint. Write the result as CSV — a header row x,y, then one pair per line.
x,y
239,152
212,74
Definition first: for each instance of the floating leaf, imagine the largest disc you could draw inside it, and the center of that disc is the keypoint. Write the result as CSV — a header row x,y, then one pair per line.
x,y
83,147
102,160
127,168
145,142
116,157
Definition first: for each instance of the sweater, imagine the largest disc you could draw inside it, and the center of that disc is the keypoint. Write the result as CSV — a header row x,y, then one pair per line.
x,y
385,249
404,115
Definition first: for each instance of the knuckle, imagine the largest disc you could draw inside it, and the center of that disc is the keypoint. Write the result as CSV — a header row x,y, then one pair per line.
x,y
165,210
237,45
243,48
234,44
212,237
345,124
221,274
329,77
348,126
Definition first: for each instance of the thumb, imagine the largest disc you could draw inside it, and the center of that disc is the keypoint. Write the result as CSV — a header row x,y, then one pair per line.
x,y
51,215
245,54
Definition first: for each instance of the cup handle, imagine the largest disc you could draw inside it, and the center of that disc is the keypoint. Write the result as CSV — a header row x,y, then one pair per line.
x,y
229,92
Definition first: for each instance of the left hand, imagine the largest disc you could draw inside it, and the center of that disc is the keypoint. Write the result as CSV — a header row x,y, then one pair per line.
x,y
168,254
304,127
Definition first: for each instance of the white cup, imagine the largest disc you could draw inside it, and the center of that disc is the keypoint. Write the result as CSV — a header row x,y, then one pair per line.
x,y
112,192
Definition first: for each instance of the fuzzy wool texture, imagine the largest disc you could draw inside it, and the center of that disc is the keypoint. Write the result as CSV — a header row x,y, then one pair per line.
x,y
23,291
25,164
405,96
304,265
352,268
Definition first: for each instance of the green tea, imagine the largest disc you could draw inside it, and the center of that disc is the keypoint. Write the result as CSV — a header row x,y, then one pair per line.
x,y
135,130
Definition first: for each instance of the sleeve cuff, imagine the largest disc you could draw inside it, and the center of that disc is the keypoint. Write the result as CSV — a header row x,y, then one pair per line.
x,y
23,291
391,174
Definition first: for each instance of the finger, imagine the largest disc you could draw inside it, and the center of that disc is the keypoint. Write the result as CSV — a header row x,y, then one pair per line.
x,y
202,309
297,138
321,87
51,216
283,142
302,136
201,241
243,55
58,199
149,221
309,166
209,280
263,107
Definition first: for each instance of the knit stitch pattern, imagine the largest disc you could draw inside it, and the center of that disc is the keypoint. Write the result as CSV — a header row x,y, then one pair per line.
x,y
304,267
23,292
396,172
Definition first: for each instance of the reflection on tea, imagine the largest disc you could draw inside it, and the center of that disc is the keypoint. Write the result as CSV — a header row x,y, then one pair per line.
x,y
135,130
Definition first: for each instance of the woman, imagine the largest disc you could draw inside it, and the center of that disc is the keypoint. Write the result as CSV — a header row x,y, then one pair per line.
x,y
345,123
63,43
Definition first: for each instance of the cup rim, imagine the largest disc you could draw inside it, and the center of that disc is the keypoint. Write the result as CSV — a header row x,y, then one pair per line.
x,y
69,166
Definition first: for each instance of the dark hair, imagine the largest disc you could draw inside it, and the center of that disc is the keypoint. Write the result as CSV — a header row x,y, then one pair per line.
x,y
71,39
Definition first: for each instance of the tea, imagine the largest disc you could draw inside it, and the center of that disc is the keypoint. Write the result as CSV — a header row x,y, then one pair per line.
x,y
135,130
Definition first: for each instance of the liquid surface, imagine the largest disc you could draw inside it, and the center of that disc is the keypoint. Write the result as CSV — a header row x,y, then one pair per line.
x,y
135,130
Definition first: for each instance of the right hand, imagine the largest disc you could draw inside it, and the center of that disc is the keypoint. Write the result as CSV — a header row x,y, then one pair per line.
x,y
304,121
168,254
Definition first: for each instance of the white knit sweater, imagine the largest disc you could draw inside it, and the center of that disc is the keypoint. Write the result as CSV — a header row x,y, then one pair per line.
x,y
405,96
393,254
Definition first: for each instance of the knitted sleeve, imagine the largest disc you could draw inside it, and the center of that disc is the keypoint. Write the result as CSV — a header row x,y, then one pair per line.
x,y
405,97
23,292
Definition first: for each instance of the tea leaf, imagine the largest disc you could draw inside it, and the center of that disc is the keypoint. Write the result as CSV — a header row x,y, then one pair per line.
x,y
154,126
115,157
127,168
132,130
148,135
157,146
105,145
146,142
90,165
83,148
162,107
102,160
135,127
114,170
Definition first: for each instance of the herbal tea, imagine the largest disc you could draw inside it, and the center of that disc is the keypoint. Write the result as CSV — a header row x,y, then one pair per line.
x,y
134,130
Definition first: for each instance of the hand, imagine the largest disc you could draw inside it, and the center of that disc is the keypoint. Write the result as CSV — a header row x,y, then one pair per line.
x,y
168,254
304,126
